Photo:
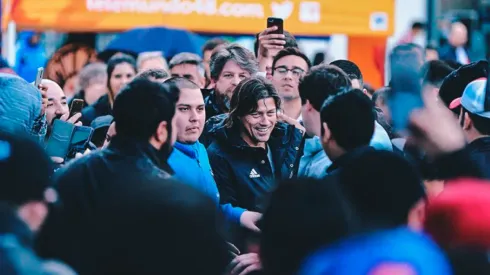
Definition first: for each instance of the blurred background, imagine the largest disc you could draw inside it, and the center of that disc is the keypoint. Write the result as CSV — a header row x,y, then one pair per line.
x,y
69,33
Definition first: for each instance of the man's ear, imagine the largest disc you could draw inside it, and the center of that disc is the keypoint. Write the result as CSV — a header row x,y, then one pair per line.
x,y
308,105
467,123
366,92
326,133
161,133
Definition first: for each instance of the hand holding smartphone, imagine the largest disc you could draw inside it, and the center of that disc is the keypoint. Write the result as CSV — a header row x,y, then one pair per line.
x,y
76,107
406,93
275,22
39,77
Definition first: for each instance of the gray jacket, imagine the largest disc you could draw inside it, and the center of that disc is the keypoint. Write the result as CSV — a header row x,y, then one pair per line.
x,y
20,107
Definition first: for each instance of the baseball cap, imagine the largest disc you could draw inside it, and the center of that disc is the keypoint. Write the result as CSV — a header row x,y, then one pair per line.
x,y
475,98
396,251
25,170
460,215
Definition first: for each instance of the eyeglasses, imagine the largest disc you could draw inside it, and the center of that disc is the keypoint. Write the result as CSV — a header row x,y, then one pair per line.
x,y
297,72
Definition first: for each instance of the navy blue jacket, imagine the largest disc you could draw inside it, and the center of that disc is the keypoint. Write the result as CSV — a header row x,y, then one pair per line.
x,y
243,173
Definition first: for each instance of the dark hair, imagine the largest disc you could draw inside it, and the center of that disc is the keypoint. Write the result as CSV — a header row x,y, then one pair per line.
x,y
383,196
243,57
180,83
290,42
161,230
157,74
111,65
350,68
453,64
321,82
326,217
247,94
435,71
319,58
481,124
418,25
381,94
141,106
287,52
350,118
212,44
454,84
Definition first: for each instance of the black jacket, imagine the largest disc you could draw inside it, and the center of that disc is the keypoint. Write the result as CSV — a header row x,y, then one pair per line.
x,y
348,157
212,106
101,107
88,185
479,151
243,173
16,248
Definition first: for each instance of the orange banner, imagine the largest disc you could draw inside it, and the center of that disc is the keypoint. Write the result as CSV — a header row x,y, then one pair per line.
x,y
302,17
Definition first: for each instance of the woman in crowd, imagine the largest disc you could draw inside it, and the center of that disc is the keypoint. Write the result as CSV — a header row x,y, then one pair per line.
x,y
120,70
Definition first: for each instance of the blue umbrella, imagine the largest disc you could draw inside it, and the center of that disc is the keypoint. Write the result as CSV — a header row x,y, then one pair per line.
x,y
169,41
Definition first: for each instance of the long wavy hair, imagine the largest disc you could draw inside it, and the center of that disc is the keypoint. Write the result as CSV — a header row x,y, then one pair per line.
x,y
246,95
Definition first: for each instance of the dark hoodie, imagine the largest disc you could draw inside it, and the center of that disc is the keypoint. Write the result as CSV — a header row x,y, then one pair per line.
x,y
88,184
244,174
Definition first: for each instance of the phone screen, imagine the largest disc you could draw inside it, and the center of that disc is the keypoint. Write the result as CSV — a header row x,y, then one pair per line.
x,y
76,106
406,94
278,22
39,76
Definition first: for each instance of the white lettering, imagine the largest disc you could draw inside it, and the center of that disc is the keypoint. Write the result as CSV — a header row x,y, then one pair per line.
x,y
184,7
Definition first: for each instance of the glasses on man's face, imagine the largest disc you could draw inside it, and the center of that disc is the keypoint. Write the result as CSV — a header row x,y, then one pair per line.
x,y
296,72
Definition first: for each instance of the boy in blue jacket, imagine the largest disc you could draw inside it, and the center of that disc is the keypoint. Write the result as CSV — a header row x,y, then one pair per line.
x,y
189,159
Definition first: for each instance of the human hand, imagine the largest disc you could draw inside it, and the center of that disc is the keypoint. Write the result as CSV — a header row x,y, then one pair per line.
x,y
249,220
244,264
284,118
73,120
44,98
270,44
435,129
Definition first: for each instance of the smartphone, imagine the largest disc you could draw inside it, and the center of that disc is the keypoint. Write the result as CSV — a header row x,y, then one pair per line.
x,y
39,76
406,93
79,140
76,106
278,22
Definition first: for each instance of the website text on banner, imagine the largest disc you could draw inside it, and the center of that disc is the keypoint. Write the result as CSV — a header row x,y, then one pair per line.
x,y
302,17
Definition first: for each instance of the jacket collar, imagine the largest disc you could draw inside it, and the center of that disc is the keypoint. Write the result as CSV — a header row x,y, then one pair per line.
x,y
10,223
313,146
137,147
213,102
347,158
189,150
479,145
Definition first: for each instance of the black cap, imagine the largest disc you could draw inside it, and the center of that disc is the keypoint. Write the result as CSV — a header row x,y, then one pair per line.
x,y
454,84
25,170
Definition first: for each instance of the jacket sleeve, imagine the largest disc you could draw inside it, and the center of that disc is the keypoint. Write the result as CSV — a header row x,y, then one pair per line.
x,y
225,180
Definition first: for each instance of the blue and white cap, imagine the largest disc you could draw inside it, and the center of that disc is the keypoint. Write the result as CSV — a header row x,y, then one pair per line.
x,y
476,99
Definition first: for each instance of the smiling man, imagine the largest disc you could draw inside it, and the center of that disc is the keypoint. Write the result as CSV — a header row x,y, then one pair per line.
x,y
252,150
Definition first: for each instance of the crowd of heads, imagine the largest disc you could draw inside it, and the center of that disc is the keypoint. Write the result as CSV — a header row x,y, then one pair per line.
x,y
194,156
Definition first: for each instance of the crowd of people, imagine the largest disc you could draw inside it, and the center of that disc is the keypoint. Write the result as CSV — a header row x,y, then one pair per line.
x,y
238,162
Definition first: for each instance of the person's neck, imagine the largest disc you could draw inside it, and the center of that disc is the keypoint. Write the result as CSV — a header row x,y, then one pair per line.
x,y
292,107
251,143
